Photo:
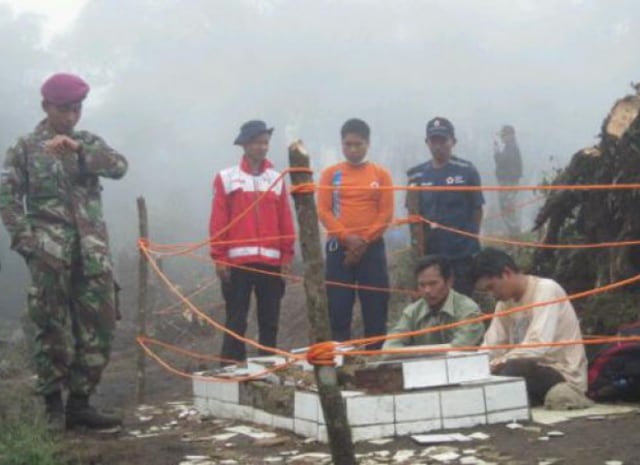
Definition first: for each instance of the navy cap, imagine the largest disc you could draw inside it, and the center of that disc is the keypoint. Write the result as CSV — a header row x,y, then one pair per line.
x,y
250,130
439,126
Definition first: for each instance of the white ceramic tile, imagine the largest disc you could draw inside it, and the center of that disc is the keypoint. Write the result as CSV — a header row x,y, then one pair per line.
x,y
462,401
281,422
306,406
424,373
468,367
370,410
507,416
416,427
364,433
308,429
262,418
464,422
417,405
506,395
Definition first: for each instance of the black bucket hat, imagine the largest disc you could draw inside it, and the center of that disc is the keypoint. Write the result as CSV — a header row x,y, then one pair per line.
x,y
250,130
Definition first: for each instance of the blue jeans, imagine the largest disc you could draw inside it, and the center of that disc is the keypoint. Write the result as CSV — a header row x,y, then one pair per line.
x,y
370,271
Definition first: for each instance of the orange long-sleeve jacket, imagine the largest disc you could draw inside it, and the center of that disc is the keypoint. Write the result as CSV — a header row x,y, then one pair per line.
x,y
365,212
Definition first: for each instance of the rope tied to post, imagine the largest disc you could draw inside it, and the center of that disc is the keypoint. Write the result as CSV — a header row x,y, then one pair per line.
x,y
322,354
305,188
143,243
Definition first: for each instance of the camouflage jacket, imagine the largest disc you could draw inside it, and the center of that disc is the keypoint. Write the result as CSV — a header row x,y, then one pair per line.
x,y
51,205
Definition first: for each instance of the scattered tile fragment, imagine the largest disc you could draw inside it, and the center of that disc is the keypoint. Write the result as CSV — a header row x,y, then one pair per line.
x,y
445,457
469,460
177,403
224,436
146,435
311,455
532,429
435,450
439,438
380,442
402,455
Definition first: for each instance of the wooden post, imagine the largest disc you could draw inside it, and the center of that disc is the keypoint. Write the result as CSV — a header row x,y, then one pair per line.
x,y
417,230
143,290
331,400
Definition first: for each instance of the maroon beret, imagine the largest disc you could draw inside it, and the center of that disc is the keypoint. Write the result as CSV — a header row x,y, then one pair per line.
x,y
63,88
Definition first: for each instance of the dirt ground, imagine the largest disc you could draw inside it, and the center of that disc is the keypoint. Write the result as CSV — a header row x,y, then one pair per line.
x,y
585,441
168,437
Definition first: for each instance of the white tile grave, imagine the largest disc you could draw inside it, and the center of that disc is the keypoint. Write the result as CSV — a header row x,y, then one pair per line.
x,y
453,390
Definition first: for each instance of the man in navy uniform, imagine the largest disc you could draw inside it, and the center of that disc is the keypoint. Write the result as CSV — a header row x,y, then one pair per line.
x,y
461,210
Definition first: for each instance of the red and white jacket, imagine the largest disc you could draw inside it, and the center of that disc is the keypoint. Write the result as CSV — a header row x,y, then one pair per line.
x,y
265,233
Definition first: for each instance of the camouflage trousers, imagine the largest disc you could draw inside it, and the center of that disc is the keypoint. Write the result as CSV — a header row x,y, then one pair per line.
x,y
74,317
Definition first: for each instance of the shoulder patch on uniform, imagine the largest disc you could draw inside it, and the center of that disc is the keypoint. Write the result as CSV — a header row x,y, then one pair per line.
x,y
416,169
460,162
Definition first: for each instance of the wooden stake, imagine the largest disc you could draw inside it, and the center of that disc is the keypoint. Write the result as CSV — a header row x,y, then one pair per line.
x,y
333,406
416,229
143,291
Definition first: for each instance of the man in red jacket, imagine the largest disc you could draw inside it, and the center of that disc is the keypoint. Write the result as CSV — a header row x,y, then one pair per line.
x,y
258,237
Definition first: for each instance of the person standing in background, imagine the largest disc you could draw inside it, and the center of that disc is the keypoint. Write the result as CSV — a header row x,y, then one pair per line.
x,y
251,255
508,173
457,209
356,213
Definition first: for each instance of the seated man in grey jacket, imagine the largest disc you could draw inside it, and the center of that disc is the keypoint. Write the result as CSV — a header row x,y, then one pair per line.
x,y
439,304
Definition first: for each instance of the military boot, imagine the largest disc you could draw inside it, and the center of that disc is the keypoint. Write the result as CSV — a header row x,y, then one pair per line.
x,y
54,411
81,414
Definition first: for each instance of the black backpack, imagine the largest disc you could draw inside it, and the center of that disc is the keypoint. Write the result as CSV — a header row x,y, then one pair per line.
x,y
614,373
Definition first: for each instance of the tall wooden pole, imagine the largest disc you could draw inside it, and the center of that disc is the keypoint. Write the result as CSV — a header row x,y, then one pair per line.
x,y
143,291
331,400
417,230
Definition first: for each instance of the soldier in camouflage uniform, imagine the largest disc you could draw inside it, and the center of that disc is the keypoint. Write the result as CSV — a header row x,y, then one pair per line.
x,y
50,202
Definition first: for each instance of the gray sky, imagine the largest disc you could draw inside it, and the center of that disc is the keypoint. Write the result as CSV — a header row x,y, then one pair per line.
x,y
172,80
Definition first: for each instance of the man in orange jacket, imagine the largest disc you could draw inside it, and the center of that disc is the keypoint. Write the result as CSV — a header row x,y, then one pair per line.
x,y
356,214
249,241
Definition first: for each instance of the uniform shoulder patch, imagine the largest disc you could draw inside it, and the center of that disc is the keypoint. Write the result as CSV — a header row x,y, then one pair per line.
x,y
418,169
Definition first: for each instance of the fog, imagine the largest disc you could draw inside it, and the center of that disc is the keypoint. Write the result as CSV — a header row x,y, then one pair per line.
x,y
172,80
